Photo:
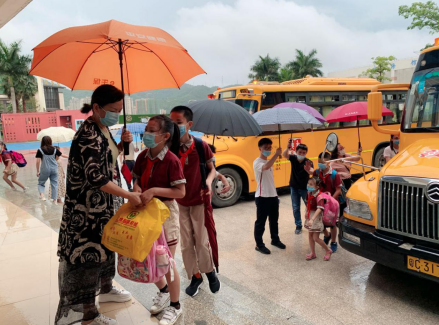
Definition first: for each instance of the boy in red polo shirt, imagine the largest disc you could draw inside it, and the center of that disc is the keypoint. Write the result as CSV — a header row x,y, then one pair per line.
x,y
331,183
195,247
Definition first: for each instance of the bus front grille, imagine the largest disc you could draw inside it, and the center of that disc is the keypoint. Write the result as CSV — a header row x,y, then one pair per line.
x,y
407,206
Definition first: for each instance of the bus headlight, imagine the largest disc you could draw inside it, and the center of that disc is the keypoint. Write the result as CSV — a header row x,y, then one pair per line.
x,y
359,209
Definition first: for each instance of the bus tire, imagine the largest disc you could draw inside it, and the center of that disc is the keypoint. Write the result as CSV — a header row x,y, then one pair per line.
x,y
378,159
233,195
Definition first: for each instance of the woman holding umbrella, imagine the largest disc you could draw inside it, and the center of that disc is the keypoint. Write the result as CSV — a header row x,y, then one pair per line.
x,y
86,267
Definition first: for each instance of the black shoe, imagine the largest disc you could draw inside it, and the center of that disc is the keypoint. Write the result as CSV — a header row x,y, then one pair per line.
x,y
214,282
326,239
278,244
298,230
192,290
263,250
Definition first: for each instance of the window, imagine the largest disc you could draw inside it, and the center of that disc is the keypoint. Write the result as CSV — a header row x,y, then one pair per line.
x,y
316,99
52,98
333,98
296,99
227,94
250,106
348,98
272,98
362,98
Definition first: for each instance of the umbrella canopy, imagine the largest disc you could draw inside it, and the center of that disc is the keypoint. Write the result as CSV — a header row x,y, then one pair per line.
x,y
352,112
303,107
135,128
58,134
285,119
85,57
220,117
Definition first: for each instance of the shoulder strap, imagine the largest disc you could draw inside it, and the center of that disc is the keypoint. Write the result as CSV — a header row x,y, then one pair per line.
x,y
334,172
202,158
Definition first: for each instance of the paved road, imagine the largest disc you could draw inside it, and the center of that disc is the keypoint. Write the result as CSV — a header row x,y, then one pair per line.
x,y
281,288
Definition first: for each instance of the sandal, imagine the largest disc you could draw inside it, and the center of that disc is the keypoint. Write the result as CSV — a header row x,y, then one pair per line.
x,y
310,256
327,257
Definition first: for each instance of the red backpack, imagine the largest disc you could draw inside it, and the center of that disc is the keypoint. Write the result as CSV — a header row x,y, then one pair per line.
x,y
332,209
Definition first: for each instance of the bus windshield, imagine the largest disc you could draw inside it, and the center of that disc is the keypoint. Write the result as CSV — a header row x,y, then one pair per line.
x,y
422,111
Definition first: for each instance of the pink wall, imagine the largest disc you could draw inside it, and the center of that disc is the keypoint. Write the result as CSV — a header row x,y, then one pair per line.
x,y
22,127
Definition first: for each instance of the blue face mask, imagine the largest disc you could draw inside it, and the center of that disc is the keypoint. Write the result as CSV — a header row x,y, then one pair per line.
x,y
110,118
322,166
149,140
182,130
396,142
299,157
310,189
266,153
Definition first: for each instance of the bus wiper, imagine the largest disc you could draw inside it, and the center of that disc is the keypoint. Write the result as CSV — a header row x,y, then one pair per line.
x,y
433,129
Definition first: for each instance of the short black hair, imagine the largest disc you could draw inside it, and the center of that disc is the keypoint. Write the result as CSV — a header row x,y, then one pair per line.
x,y
103,95
302,146
317,180
187,112
325,155
264,141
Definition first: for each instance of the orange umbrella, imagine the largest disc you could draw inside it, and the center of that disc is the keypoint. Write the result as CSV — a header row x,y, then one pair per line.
x,y
132,58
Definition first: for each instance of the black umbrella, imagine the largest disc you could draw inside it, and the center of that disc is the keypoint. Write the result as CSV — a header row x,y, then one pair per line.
x,y
220,117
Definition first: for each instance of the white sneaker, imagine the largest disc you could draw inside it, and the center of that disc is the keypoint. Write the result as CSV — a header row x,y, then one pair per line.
x,y
115,295
171,315
103,320
160,302
25,189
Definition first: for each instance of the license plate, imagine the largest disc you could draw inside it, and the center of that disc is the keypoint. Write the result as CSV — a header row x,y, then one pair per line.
x,y
423,266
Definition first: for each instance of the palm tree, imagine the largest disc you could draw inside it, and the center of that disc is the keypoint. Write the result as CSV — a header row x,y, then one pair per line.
x,y
12,66
265,69
285,74
305,65
26,88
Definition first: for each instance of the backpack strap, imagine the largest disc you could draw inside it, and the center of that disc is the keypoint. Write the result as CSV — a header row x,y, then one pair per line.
x,y
201,156
334,172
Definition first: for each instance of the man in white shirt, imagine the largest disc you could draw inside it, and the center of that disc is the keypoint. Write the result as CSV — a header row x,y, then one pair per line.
x,y
130,161
267,201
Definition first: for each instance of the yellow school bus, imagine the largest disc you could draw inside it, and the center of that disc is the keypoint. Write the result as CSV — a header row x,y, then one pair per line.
x,y
392,216
235,156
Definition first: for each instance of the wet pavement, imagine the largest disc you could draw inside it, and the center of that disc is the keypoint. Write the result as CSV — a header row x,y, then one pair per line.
x,y
281,288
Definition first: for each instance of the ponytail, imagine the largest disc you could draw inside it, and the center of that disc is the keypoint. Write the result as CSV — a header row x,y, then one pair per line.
x,y
391,142
175,140
86,108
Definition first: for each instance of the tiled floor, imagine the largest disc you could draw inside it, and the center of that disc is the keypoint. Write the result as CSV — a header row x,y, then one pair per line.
x,y
29,274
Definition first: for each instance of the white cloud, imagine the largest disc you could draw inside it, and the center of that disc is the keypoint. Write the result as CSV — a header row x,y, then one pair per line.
x,y
227,39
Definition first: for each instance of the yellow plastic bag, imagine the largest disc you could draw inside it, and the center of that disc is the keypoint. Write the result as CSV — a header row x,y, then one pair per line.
x,y
131,232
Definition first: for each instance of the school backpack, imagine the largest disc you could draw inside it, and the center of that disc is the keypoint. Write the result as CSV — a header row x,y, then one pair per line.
x,y
158,262
342,196
331,209
202,158
17,158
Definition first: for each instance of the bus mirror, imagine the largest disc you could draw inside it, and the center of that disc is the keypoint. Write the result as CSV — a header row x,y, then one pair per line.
x,y
375,106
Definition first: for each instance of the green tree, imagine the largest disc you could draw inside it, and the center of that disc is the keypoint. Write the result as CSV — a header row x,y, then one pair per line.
x,y
381,64
285,74
423,15
304,65
26,88
266,69
13,66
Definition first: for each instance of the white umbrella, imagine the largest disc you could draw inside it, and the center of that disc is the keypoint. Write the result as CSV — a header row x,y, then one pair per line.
x,y
57,133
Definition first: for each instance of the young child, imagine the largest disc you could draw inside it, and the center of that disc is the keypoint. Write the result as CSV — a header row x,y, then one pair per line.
x,y
195,246
314,219
267,201
159,174
331,183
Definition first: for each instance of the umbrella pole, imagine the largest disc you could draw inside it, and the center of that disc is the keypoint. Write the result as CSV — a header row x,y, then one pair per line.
x,y
213,141
358,129
126,145
279,133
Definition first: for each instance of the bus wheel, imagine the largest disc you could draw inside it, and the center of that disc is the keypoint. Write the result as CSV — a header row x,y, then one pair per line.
x,y
379,160
227,199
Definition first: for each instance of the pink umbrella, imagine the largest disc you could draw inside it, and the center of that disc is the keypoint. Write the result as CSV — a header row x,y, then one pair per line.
x,y
352,112
305,108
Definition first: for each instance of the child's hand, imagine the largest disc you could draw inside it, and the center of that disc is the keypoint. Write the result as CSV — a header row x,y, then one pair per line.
x,y
310,222
147,196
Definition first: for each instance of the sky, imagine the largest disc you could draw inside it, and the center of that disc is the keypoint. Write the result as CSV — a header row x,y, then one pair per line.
x,y
226,37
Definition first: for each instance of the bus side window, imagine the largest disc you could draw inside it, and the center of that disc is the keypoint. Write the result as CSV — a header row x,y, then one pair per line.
x,y
250,106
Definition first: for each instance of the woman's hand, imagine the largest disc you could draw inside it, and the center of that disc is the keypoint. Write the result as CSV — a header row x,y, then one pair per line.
x,y
134,199
38,174
127,136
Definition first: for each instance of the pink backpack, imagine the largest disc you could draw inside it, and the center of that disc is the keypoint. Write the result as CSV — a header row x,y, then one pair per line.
x,y
153,268
332,209
17,158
